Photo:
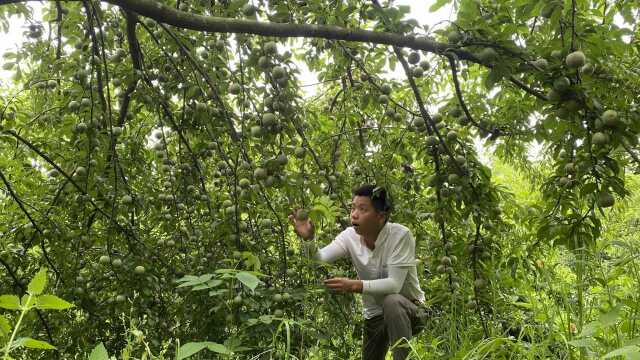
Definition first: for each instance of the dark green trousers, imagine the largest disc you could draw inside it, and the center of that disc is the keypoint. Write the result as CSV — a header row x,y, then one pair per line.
x,y
398,323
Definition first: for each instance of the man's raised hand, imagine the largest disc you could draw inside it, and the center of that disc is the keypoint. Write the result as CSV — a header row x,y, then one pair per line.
x,y
301,223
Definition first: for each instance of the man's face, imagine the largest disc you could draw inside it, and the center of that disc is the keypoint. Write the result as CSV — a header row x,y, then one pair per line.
x,y
364,217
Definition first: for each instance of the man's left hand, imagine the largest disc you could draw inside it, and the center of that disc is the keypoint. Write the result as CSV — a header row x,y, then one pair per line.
x,y
344,285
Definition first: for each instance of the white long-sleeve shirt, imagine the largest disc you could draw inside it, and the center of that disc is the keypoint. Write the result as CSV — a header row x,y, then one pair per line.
x,y
387,269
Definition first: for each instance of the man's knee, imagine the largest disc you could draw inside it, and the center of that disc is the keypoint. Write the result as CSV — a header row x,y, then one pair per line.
x,y
392,303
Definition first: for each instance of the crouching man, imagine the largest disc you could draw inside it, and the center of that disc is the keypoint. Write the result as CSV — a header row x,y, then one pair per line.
x,y
383,254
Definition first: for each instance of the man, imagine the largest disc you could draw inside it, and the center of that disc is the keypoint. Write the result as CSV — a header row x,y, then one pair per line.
x,y
383,254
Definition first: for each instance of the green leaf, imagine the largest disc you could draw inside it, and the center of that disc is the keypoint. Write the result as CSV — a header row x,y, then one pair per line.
x,y
590,329
34,344
9,302
629,352
610,318
219,348
37,284
52,302
188,349
587,343
440,3
249,280
5,327
99,353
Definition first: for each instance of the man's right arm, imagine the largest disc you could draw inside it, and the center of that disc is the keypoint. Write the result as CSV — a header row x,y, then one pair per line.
x,y
305,229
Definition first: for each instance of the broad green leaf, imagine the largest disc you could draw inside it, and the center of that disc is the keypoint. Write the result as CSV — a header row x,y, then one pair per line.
x,y
629,352
189,349
5,327
52,302
9,302
218,348
38,283
587,343
249,280
99,353
610,318
34,344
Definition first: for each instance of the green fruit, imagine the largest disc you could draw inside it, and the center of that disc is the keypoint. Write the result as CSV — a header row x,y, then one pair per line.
x,y
81,171
278,72
85,102
277,297
610,118
562,84
419,123
605,199
286,296
120,298
554,95
383,99
260,173
563,181
268,119
541,63
432,140
244,183
73,105
302,215
299,152
385,89
126,199
445,260
452,136
270,48
227,203
278,312
256,131
104,260
266,223
600,139
237,300
417,72
424,64
234,89
282,160
454,37
249,10
414,58
263,62
575,60
587,69
487,55
570,168
453,178
139,270
116,263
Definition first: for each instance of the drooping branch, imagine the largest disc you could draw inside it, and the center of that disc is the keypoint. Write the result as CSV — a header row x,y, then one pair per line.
x,y
15,197
136,59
